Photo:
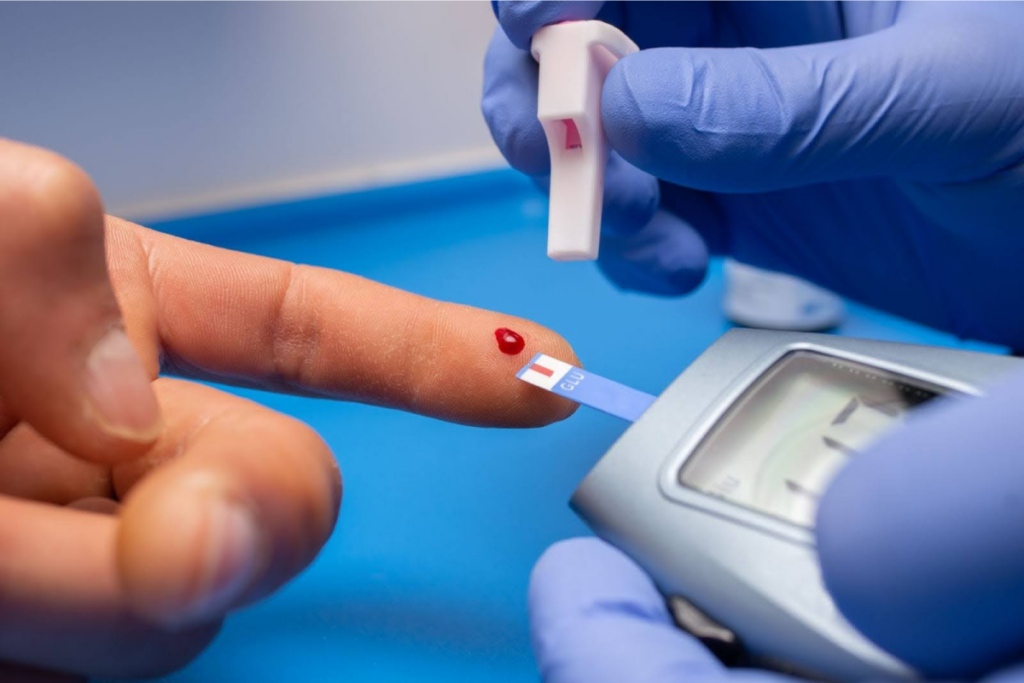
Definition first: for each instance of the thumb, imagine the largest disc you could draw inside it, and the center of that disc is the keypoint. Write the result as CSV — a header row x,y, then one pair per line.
x,y
596,617
66,365
932,98
919,537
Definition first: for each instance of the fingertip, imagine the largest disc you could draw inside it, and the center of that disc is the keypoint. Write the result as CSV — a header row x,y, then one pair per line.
x,y
515,403
577,575
248,505
66,366
641,96
57,191
187,557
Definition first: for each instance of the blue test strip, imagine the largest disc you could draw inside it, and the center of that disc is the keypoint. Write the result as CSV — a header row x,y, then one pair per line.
x,y
585,387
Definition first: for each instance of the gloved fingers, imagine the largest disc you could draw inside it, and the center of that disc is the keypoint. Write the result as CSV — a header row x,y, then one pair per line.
x,y
519,20
509,106
66,366
232,502
919,536
905,102
33,468
667,257
701,211
221,315
62,607
596,617
631,197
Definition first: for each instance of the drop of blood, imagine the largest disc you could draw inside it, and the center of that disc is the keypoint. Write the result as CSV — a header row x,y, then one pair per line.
x,y
508,341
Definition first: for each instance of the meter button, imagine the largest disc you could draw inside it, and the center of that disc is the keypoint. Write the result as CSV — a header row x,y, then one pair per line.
x,y
722,642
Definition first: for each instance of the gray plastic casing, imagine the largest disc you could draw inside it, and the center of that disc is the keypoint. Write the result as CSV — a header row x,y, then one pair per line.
x,y
757,575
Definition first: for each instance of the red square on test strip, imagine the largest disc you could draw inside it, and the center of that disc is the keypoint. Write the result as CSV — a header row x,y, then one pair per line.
x,y
542,370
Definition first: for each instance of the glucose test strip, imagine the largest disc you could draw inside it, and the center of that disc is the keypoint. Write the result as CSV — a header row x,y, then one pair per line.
x,y
585,388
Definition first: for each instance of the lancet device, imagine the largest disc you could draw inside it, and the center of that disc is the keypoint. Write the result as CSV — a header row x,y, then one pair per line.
x,y
714,489
574,59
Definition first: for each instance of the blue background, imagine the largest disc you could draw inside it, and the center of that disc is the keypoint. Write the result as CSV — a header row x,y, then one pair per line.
x,y
425,576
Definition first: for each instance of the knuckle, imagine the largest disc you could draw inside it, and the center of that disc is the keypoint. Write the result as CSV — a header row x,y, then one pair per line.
x,y
424,384
295,330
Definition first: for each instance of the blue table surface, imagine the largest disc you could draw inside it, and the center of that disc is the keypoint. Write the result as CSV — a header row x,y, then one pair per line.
x,y
425,576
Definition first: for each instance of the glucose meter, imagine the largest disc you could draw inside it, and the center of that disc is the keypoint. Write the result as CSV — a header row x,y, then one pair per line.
x,y
713,490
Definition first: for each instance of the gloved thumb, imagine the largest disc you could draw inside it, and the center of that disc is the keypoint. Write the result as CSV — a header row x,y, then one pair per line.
x,y
931,99
919,537
66,365
596,617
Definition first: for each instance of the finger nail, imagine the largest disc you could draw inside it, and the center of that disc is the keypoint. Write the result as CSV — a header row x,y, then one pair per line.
x,y
119,391
230,563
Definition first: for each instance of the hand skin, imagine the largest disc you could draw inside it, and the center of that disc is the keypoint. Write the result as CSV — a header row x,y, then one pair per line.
x,y
136,509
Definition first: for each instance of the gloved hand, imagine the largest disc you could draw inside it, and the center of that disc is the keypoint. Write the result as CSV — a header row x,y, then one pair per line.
x,y
876,149
920,547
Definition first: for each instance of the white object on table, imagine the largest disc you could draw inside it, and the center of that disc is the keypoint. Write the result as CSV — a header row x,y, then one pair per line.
x,y
774,301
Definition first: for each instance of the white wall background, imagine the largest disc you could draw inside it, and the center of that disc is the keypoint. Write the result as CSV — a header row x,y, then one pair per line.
x,y
182,107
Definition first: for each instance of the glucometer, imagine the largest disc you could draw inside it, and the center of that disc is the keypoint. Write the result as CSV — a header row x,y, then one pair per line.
x,y
713,489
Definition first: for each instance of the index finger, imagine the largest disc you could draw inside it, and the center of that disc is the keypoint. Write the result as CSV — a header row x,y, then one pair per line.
x,y
210,313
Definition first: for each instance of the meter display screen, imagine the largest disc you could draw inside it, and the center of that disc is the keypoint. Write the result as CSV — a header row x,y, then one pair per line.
x,y
780,444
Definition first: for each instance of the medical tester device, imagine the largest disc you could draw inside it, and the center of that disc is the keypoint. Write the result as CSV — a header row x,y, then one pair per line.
x,y
713,489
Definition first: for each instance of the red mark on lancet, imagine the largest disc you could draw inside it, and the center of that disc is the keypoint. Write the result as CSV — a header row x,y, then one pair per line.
x,y
572,135
508,341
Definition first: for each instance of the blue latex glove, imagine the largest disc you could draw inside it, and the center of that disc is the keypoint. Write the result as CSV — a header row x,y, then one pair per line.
x,y
921,547
875,149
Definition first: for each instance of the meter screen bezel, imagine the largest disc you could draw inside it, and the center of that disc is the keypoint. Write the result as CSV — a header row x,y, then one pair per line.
x,y
721,406
862,381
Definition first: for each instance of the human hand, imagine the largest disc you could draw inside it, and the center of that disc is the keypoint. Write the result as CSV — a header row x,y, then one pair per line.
x,y
918,544
214,501
876,149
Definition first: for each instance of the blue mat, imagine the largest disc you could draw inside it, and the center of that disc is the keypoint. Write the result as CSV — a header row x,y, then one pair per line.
x,y
425,577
